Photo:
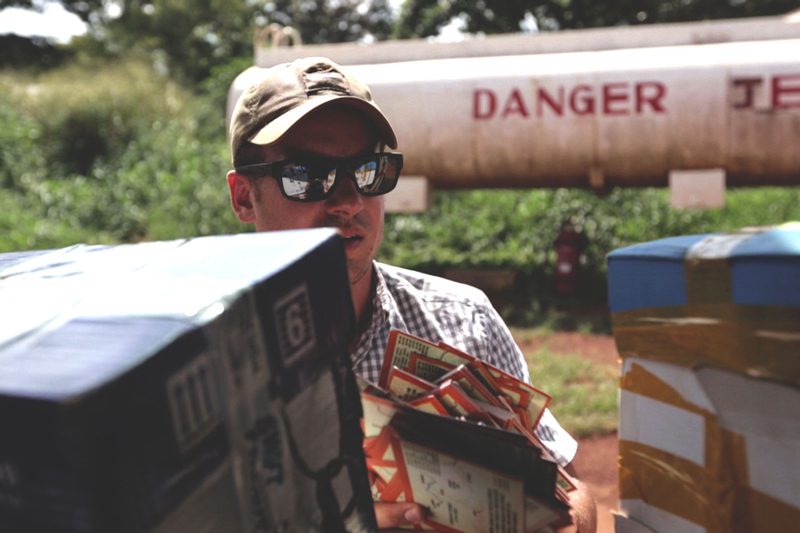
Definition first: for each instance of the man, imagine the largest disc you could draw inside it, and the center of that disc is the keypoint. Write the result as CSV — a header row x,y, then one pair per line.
x,y
308,148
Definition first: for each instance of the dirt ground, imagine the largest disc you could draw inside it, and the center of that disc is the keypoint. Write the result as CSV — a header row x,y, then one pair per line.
x,y
598,348
596,462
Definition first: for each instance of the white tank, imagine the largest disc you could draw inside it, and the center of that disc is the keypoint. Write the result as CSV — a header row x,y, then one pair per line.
x,y
620,116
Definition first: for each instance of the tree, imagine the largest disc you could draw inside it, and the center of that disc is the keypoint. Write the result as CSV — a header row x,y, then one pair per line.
x,y
185,38
326,21
189,38
422,18
30,52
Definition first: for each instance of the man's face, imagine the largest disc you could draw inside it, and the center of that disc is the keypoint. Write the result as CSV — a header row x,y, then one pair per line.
x,y
335,132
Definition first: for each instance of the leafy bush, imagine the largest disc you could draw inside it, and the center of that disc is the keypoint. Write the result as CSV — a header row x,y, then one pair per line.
x,y
116,157
166,184
87,114
515,229
21,156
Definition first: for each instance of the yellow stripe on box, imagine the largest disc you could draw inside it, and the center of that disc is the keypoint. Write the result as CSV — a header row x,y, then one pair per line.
x,y
643,477
759,341
671,483
678,486
766,513
716,496
638,380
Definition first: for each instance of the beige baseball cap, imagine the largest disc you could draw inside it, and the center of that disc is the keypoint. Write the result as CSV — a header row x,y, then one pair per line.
x,y
286,93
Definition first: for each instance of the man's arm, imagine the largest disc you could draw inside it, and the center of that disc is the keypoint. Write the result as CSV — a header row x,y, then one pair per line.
x,y
511,359
584,511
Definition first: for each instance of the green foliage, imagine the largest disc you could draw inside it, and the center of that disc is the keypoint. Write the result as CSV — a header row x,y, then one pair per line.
x,y
187,39
176,181
219,81
20,153
190,40
424,18
87,115
155,171
515,229
32,53
421,18
329,21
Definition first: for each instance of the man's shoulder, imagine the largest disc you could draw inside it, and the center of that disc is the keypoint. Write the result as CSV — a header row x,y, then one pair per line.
x,y
427,286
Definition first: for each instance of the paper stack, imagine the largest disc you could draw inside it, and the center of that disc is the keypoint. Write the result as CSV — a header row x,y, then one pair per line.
x,y
455,434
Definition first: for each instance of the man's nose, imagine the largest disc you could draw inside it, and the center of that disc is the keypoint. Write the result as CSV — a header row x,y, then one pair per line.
x,y
345,199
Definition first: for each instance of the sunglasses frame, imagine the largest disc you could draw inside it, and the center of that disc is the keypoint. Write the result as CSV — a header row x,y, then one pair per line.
x,y
339,165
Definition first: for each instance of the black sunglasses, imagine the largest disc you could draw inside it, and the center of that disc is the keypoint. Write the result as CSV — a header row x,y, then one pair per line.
x,y
315,179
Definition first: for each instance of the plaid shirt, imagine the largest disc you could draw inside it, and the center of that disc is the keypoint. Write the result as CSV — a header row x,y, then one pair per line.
x,y
441,310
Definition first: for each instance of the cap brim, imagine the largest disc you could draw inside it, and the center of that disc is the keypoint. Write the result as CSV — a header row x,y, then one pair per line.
x,y
276,129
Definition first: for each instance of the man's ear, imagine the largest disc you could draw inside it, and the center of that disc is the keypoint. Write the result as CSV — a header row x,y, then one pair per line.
x,y
242,197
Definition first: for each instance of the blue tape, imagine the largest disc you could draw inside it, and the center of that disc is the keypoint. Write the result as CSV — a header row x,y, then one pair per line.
x,y
650,274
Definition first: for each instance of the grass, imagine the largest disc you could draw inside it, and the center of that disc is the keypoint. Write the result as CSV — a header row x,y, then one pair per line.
x,y
584,392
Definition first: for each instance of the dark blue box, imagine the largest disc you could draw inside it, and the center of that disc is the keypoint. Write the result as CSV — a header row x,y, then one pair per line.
x,y
190,385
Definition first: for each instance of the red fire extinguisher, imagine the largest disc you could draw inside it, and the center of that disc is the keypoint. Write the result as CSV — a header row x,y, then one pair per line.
x,y
569,246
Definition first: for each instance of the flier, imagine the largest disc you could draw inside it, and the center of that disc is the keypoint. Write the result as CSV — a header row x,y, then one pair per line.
x,y
454,434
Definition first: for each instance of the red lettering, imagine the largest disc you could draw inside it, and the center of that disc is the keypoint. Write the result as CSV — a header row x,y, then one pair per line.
x,y
749,85
515,105
786,95
611,94
655,100
488,98
581,104
557,106
618,98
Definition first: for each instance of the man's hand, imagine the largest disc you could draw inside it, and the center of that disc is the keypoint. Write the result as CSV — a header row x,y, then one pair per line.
x,y
584,512
397,514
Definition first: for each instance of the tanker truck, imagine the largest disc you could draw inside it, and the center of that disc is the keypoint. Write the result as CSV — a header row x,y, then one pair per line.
x,y
694,106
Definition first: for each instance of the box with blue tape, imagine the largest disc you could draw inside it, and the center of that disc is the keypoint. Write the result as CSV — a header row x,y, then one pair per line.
x,y
708,328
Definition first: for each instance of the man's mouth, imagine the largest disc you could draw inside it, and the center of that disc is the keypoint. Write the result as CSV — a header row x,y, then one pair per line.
x,y
352,241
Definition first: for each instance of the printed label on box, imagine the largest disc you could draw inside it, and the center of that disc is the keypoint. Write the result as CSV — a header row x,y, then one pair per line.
x,y
193,402
294,324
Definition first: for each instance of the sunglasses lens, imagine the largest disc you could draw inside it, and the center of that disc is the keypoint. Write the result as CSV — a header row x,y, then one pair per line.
x,y
378,175
306,183
311,182
366,176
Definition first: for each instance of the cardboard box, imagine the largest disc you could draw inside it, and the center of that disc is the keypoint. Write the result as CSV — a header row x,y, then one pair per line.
x,y
193,385
708,327
626,524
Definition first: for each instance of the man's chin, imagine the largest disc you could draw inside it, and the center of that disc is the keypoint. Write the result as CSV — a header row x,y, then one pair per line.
x,y
357,270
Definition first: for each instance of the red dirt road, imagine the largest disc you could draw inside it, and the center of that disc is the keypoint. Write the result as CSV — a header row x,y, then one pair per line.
x,y
596,464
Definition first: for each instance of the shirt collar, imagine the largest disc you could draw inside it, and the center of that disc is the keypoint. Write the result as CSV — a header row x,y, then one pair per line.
x,y
385,314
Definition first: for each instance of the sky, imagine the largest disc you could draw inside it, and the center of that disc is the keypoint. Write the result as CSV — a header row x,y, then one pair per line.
x,y
61,25
54,21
